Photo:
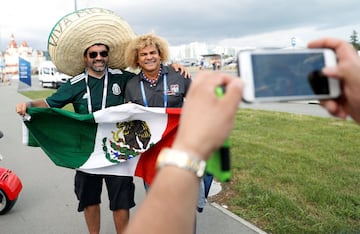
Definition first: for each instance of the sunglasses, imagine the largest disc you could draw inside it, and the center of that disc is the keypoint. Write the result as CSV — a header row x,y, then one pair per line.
x,y
94,54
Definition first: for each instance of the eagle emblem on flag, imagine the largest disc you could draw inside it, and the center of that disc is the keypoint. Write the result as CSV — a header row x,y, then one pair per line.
x,y
128,140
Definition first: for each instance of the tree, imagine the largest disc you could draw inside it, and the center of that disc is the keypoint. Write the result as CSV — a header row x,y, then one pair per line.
x,y
354,40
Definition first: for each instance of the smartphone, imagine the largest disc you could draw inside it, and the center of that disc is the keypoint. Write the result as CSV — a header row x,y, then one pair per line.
x,y
287,74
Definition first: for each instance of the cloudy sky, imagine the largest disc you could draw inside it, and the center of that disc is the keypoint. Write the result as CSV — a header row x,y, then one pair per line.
x,y
238,23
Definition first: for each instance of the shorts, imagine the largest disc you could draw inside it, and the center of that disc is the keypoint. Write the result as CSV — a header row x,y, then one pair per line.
x,y
88,187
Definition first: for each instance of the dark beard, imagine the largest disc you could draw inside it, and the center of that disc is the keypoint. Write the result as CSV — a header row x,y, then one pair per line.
x,y
97,68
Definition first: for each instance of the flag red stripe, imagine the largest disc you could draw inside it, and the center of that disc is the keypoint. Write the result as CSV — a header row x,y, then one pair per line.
x,y
146,167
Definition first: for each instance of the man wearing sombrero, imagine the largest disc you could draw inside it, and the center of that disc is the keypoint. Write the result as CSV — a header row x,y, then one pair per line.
x,y
89,45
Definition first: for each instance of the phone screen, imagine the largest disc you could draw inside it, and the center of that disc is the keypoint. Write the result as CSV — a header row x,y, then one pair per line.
x,y
293,74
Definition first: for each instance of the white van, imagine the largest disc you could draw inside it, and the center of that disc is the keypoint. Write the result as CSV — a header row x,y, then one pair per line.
x,y
49,76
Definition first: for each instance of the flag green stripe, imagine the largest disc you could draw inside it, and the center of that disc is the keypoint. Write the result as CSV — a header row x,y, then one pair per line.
x,y
68,140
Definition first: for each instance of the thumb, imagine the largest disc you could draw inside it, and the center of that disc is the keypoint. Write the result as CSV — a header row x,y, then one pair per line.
x,y
331,72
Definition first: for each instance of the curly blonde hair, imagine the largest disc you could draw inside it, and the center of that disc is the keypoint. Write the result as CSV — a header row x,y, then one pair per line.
x,y
142,41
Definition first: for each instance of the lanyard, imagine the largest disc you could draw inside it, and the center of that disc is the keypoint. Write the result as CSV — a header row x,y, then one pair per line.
x,y
103,102
144,95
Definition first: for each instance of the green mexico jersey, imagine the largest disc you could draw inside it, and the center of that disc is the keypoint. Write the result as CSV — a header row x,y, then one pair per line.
x,y
75,91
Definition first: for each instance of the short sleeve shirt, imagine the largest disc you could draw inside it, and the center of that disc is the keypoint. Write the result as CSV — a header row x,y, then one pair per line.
x,y
177,87
74,91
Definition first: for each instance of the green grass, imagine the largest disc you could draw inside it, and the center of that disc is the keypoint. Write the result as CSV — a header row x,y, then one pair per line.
x,y
38,94
41,94
295,173
292,173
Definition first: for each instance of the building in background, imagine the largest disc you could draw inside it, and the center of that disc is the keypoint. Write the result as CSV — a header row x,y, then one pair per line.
x,y
196,50
10,57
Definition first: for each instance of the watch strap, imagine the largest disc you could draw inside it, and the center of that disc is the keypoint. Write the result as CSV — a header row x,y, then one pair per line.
x,y
181,159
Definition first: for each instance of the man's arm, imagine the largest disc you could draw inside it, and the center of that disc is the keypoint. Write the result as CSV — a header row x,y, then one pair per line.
x,y
181,68
22,106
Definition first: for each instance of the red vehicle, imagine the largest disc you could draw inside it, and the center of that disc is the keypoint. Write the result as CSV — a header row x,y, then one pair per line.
x,y
10,188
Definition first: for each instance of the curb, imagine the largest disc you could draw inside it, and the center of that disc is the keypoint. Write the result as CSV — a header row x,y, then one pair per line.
x,y
237,218
215,189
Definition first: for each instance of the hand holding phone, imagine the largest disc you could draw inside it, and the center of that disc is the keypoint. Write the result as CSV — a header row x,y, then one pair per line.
x,y
286,75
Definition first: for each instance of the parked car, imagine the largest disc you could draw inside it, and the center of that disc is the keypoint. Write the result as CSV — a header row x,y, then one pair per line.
x,y
189,62
49,76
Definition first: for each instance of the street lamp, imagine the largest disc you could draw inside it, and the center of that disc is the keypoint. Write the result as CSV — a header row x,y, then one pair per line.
x,y
75,2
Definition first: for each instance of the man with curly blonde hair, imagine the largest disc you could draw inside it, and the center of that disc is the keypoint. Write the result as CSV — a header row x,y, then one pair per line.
x,y
156,85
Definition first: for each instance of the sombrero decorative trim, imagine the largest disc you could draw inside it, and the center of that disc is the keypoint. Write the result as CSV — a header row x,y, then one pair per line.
x,y
77,31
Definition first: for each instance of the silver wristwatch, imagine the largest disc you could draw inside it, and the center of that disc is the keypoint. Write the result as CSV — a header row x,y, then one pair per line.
x,y
181,159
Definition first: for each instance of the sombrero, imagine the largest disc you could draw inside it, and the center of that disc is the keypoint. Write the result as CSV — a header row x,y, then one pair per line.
x,y
77,31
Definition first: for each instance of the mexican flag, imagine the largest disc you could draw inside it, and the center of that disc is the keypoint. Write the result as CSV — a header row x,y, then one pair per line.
x,y
119,140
